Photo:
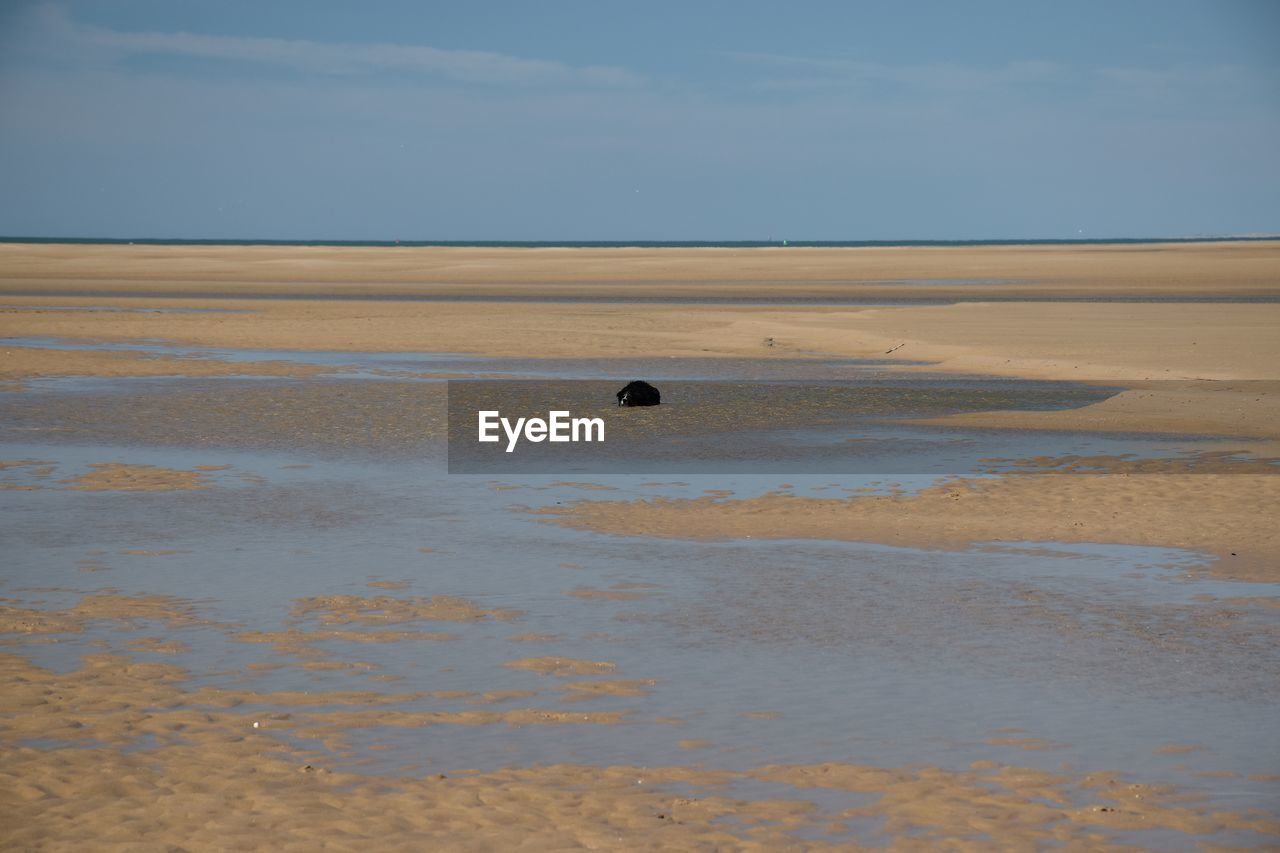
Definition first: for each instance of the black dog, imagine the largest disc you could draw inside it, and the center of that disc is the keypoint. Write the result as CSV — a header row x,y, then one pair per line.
x,y
639,393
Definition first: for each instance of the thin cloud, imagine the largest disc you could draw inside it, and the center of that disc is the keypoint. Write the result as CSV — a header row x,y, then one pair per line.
x,y
1190,85
820,73
331,58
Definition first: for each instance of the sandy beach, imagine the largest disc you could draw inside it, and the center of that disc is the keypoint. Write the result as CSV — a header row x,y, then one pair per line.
x,y
302,298
296,604
1226,269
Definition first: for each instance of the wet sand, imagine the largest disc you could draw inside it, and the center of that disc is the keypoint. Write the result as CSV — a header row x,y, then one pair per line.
x,y
287,658
27,363
1227,515
221,766
1226,408
209,781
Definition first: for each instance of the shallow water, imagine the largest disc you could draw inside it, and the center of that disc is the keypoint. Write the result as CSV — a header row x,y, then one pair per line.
x,y
867,653
1032,654
422,365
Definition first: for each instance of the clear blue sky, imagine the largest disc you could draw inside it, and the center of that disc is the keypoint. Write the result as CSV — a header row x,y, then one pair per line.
x,y
406,119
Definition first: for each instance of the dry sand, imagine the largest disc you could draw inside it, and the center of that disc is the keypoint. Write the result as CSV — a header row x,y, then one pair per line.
x,y
31,363
1227,515
1081,341
121,477
563,667
1075,340
1234,269
1249,409
107,477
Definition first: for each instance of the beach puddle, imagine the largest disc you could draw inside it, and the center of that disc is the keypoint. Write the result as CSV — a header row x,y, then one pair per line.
x,y
437,366
248,562
861,645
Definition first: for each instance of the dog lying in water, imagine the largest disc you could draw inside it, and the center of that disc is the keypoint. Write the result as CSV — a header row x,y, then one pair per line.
x,y
639,393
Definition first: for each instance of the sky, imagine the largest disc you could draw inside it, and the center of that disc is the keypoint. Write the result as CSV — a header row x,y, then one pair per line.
x,y
604,120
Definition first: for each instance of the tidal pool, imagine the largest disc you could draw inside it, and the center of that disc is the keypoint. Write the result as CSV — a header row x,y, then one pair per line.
x,y
361,566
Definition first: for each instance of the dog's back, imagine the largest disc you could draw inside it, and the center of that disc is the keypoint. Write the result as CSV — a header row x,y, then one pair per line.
x,y
639,393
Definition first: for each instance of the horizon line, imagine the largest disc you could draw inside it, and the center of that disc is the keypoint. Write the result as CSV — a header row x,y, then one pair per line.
x,y
627,243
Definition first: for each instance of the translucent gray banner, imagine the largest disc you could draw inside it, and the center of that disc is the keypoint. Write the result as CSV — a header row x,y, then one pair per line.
x,y
873,426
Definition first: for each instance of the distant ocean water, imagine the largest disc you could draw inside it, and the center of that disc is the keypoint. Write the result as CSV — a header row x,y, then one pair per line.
x,y
627,244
